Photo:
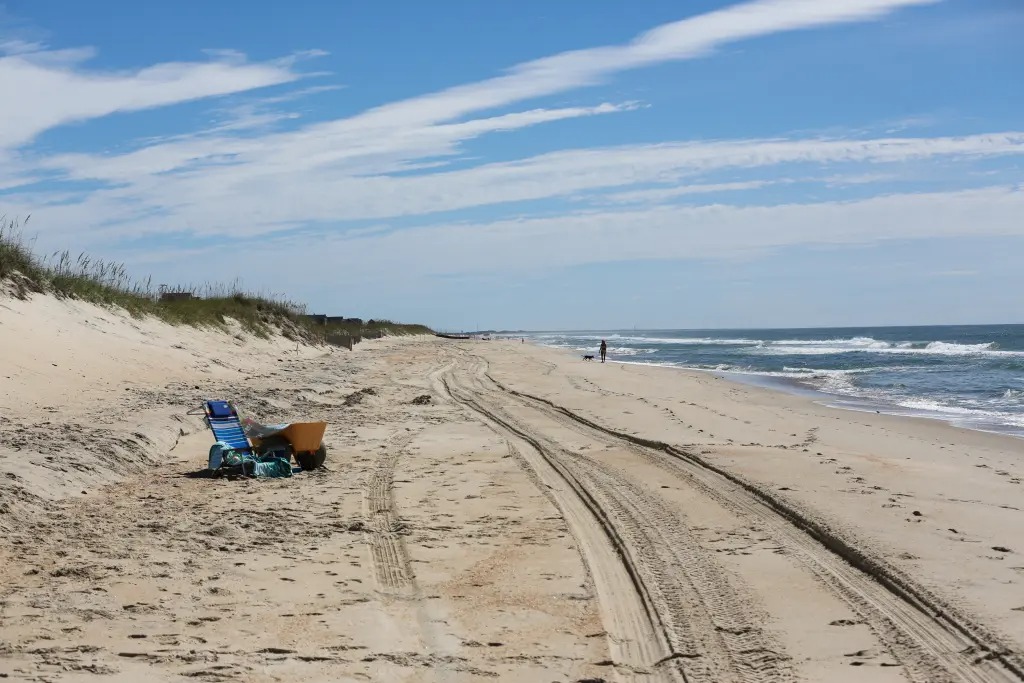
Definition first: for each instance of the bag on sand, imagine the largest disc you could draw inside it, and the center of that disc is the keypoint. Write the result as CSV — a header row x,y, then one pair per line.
x,y
273,468
226,460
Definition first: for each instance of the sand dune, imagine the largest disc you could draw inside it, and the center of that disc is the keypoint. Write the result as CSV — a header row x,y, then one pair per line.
x,y
91,395
488,511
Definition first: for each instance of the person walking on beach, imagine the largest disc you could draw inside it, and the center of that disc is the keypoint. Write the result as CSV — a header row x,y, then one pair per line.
x,y
604,350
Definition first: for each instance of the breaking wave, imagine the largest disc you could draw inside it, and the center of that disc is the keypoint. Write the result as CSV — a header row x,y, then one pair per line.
x,y
963,374
793,347
869,345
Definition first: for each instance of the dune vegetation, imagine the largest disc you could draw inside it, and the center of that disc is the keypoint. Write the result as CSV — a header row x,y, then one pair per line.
x,y
106,283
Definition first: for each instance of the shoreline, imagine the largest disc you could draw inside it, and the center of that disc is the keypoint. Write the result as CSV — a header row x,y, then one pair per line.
x,y
793,386
933,503
740,416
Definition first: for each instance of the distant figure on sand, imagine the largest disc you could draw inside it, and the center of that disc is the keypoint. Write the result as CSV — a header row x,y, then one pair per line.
x,y
604,350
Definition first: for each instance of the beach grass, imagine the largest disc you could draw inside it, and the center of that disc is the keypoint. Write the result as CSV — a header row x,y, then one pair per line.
x,y
370,327
107,283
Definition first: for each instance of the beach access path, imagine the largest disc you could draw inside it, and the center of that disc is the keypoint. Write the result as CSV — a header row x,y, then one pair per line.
x,y
494,511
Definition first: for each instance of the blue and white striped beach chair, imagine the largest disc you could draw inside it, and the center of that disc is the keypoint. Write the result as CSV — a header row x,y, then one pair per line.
x,y
226,426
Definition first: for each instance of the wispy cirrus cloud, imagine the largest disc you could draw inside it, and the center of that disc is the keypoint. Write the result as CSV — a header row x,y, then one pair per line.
x,y
205,183
669,193
55,87
14,46
43,73
653,233
684,39
314,148
245,177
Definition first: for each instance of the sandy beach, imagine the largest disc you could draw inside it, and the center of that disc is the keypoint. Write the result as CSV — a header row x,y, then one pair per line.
x,y
490,510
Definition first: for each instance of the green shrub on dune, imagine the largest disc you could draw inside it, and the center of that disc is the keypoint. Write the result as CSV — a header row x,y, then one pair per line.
x,y
107,283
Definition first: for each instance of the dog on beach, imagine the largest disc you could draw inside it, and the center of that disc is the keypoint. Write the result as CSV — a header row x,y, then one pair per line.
x,y
590,357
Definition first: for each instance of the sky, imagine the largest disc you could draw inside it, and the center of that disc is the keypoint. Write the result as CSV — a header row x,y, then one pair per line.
x,y
534,165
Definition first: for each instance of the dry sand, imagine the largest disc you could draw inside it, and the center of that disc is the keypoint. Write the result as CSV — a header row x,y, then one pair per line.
x,y
536,518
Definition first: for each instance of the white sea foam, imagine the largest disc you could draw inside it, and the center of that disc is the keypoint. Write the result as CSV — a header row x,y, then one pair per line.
x,y
800,350
689,341
795,347
831,381
787,347
855,342
962,414
629,351
619,350
653,364
629,339
952,349
995,414
683,341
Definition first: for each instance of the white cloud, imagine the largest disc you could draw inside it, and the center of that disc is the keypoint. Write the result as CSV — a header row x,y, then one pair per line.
x,y
316,148
280,195
52,88
860,179
684,39
234,186
218,182
96,94
661,195
672,233
686,232
346,159
54,94
13,46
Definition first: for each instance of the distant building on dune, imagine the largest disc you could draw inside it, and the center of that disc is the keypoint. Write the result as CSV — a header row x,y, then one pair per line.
x,y
342,320
168,295
321,319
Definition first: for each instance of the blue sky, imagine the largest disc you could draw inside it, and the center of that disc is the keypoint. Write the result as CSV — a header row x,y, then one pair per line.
x,y
536,164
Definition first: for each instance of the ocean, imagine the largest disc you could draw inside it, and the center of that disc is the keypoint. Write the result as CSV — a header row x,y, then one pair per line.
x,y
968,375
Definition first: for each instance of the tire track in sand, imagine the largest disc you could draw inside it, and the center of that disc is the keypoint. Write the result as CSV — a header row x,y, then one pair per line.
x,y
670,613
384,533
391,567
635,638
931,640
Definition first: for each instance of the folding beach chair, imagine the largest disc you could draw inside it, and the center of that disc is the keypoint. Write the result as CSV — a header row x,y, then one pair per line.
x,y
240,455
226,426
223,420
